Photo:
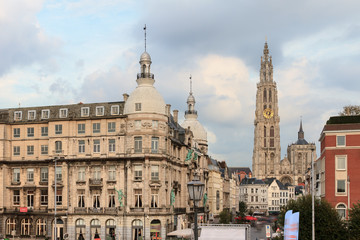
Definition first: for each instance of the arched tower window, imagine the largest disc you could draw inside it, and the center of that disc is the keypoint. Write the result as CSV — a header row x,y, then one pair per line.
x,y
264,95
264,136
272,136
341,210
270,99
143,69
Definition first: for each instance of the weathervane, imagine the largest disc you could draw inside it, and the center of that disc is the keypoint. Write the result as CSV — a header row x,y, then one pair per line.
x,y
190,84
145,36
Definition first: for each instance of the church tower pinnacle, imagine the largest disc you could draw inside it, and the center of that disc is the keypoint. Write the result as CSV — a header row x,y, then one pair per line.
x,y
266,152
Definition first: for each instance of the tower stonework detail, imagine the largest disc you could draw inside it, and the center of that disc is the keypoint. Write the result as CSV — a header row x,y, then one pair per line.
x,y
267,150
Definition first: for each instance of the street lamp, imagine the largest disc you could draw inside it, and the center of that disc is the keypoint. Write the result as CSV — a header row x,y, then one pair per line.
x,y
196,190
55,230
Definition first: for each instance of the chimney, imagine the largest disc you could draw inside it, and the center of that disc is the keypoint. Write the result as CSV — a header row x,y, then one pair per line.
x,y
175,114
168,109
126,96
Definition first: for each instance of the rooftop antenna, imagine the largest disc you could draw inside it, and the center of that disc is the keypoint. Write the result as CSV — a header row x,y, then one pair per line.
x,y
190,85
145,36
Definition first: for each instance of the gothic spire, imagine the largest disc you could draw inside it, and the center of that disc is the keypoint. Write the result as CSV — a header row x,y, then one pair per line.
x,y
266,71
301,131
191,102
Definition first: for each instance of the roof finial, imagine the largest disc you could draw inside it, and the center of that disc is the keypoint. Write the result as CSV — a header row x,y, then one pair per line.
x,y
265,38
145,36
190,85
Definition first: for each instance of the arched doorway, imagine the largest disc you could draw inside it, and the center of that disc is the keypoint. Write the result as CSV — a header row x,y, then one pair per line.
x,y
80,229
59,229
155,229
286,180
94,228
137,230
110,229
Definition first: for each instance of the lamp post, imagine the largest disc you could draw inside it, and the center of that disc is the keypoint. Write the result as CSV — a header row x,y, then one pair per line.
x,y
55,230
196,190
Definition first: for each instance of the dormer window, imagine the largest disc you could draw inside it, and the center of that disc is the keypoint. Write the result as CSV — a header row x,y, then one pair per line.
x,y
137,106
45,114
85,111
31,114
100,111
115,110
63,112
17,115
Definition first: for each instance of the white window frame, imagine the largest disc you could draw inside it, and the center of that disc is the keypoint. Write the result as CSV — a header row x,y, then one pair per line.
x,y
100,111
96,147
337,183
43,132
96,127
18,115
16,132
81,128
16,175
81,146
85,111
137,107
81,200
111,173
58,129
44,174
111,126
115,110
154,144
154,203
337,140
338,158
112,143
138,172
58,173
63,113
138,144
30,132
58,147
44,149
31,114
97,173
342,209
16,151
45,114
154,172
81,173
16,198
30,150
44,199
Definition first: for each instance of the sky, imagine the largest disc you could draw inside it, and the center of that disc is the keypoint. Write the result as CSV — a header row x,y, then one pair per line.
x,y
65,52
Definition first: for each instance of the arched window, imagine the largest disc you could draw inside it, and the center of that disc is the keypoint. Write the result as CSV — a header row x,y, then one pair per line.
x,y
270,95
155,229
137,230
143,70
41,227
264,96
10,225
110,229
341,210
217,200
25,226
80,229
272,136
94,228
264,136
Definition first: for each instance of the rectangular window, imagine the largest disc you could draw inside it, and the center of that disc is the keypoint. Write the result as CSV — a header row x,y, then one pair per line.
x,y
137,124
340,163
96,127
30,150
81,200
16,132
154,172
112,173
58,173
138,144
81,174
340,141
16,175
111,198
45,114
138,198
81,146
96,200
97,173
137,172
154,198
58,129
44,174
58,196
137,106
58,147
30,132
96,146
30,174
44,131
155,124
16,197
340,186
44,197
63,112
44,149
100,111
115,110
16,150
111,126
154,144
85,111
81,128
30,198
111,145
31,114
17,115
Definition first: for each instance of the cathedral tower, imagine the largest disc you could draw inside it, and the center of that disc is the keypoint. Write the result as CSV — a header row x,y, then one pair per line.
x,y
267,151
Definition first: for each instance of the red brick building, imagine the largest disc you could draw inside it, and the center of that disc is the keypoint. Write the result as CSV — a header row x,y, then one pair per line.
x,y
338,168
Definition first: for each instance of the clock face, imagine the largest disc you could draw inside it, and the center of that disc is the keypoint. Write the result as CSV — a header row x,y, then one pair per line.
x,y
268,113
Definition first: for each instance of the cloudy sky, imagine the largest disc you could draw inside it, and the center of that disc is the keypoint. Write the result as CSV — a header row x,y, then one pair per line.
x,y
64,52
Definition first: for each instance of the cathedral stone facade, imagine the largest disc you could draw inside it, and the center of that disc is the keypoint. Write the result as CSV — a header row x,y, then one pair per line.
x,y
267,161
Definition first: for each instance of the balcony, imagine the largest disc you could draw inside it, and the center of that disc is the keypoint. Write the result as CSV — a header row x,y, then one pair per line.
x,y
15,183
137,209
111,210
179,210
145,75
95,183
93,210
80,210
43,182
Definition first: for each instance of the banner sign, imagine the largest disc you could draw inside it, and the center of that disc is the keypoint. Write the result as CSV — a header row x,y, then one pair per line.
x,y
291,228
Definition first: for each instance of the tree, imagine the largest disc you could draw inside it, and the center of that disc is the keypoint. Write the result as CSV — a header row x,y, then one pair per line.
x,y
350,110
328,224
354,223
225,216
242,212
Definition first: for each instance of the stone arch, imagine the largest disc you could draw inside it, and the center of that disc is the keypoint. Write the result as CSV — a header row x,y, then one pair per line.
x,y
286,179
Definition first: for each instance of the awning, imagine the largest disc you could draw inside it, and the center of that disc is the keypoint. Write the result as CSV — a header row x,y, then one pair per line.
x,y
185,233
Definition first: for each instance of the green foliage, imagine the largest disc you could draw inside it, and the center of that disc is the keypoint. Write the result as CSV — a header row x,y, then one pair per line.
x,y
328,224
350,110
242,209
225,216
354,223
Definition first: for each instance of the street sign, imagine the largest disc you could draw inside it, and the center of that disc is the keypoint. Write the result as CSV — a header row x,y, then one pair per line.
x,y
267,231
23,209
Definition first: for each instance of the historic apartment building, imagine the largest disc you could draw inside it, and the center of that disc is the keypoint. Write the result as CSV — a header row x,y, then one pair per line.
x,y
117,170
266,161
